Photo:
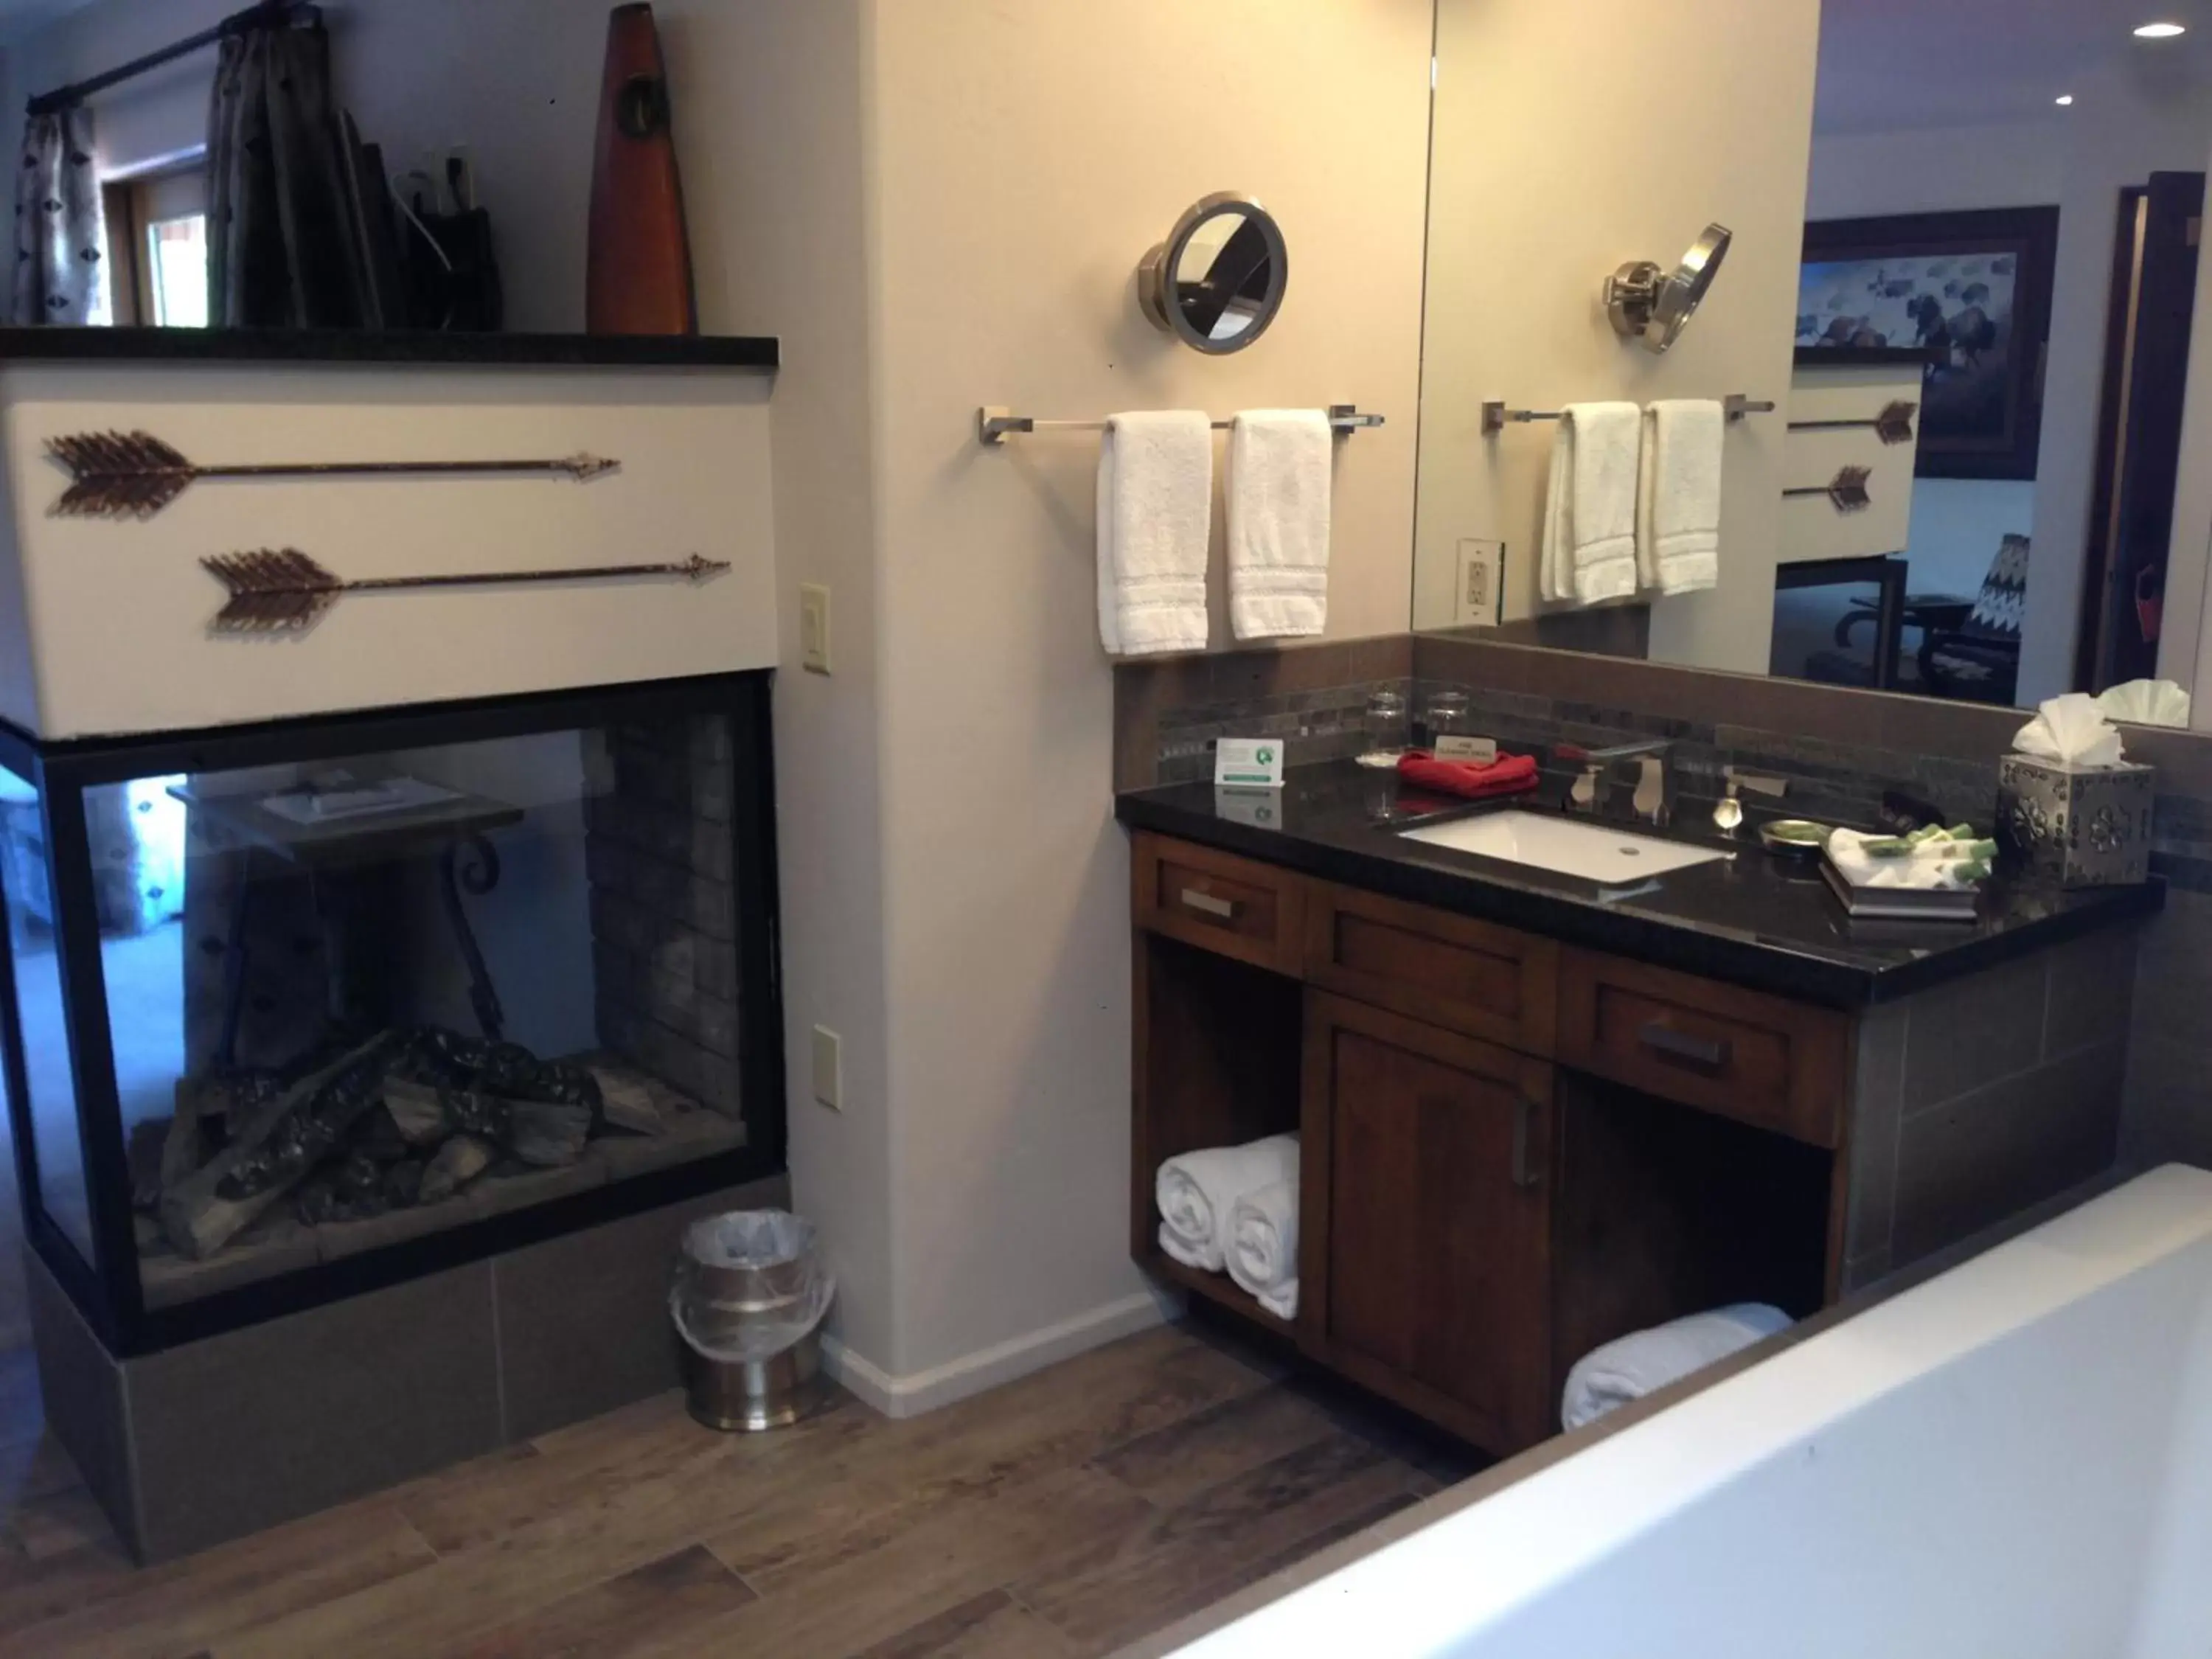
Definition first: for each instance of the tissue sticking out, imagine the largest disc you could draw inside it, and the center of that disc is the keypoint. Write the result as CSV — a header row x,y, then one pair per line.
x,y
2072,731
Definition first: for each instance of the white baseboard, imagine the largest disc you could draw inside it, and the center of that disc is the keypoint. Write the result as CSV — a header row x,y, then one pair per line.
x,y
988,1368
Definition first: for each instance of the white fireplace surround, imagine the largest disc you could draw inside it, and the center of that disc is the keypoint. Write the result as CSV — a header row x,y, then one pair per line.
x,y
104,625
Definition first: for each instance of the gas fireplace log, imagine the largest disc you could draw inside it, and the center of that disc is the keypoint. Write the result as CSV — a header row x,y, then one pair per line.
x,y
458,1162
534,1131
290,1134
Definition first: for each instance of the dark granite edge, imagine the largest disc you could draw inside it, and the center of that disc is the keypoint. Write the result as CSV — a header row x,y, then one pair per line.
x,y
1756,963
1537,1459
398,346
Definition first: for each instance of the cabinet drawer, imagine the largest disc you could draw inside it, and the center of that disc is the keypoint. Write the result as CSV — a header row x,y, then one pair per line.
x,y
1760,1059
1254,912
1454,971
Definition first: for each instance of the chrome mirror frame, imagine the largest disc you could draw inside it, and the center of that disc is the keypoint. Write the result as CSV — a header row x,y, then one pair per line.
x,y
1156,273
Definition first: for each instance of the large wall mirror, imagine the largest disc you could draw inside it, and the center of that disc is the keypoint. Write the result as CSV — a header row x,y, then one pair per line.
x,y
355,164
1964,272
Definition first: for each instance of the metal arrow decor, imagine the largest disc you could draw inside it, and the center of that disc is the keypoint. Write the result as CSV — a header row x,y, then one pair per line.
x,y
1847,490
1893,426
134,475
287,591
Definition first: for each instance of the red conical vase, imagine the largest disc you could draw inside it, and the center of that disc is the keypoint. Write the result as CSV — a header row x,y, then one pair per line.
x,y
637,275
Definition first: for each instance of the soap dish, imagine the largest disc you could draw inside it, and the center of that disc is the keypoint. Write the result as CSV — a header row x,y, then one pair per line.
x,y
1795,838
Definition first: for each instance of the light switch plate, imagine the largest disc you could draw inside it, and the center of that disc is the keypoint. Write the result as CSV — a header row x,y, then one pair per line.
x,y
814,628
828,1069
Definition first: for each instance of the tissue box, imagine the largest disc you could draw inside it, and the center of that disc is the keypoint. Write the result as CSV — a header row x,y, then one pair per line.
x,y
2079,826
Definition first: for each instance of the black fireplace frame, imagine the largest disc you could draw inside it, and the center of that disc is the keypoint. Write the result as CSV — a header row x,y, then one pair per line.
x,y
106,1290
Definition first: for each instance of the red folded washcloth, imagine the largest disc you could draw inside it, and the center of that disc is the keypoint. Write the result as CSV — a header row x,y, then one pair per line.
x,y
1509,775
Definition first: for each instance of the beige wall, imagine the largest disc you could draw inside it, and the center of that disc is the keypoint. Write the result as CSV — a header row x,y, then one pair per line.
x,y
773,103
938,208
1569,139
1029,151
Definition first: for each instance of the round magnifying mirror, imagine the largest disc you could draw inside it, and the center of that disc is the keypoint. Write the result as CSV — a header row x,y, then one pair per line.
x,y
1652,307
1218,280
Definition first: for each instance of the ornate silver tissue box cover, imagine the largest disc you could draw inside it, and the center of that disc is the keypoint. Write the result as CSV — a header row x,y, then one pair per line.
x,y
2081,827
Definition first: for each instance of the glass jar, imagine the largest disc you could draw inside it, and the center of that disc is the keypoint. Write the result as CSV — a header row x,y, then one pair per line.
x,y
1445,716
1385,727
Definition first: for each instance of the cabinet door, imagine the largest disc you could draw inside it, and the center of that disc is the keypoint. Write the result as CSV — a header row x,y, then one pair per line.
x,y
1426,1250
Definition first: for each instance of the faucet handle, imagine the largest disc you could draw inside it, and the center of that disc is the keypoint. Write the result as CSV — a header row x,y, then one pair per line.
x,y
1757,782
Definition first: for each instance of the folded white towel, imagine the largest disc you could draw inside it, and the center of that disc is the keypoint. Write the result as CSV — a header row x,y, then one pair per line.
x,y
1262,1251
1155,513
1678,496
1647,1361
1278,510
1589,511
1196,1192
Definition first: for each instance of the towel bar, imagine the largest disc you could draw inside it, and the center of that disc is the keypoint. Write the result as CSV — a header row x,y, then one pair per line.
x,y
993,421
1495,415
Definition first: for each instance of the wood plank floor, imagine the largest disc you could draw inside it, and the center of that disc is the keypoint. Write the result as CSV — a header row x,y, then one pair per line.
x,y
1064,1515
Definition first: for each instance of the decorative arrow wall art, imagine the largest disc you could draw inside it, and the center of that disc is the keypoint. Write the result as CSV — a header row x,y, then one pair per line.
x,y
134,475
287,591
1847,490
1893,426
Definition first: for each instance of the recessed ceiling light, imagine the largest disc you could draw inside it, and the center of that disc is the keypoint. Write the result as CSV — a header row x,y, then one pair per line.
x,y
2064,98
2160,31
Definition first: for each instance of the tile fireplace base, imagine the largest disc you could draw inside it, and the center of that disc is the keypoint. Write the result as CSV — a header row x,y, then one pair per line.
x,y
211,1440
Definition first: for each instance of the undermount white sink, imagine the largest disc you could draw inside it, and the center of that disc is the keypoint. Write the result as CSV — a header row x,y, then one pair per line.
x,y
1568,847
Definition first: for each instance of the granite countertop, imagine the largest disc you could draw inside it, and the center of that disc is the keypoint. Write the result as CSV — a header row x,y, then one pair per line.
x,y
1753,919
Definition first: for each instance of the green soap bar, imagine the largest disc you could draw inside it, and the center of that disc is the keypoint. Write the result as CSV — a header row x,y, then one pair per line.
x,y
1962,832
1893,847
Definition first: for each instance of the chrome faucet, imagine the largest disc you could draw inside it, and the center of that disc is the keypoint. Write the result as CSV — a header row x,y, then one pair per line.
x,y
1588,792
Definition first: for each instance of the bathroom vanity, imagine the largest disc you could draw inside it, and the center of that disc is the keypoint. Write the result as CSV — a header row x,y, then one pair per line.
x,y
1537,1113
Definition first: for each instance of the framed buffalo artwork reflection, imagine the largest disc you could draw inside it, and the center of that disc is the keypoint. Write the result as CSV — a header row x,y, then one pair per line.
x,y
1969,291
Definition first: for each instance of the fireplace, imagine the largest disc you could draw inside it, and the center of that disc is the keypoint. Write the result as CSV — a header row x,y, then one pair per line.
x,y
296,1011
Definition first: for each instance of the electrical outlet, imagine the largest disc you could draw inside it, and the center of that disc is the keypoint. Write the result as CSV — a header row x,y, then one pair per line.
x,y
814,628
828,1068
1482,576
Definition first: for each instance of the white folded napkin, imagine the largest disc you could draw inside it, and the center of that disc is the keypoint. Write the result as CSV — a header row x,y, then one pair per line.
x,y
1942,861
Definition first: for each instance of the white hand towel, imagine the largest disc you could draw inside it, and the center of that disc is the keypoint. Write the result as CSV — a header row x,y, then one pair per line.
x,y
1155,514
1647,1361
1196,1192
1590,512
1279,511
1678,496
1262,1252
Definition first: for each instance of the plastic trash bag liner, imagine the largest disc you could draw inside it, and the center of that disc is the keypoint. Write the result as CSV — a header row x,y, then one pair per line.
x,y
748,1284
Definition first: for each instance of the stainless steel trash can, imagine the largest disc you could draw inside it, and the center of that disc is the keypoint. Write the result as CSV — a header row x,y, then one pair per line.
x,y
748,1304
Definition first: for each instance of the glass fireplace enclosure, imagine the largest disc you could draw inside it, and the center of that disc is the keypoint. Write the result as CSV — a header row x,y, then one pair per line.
x,y
297,1009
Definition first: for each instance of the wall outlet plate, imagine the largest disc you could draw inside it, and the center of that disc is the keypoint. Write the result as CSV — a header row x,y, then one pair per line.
x,y
814,628
1481,579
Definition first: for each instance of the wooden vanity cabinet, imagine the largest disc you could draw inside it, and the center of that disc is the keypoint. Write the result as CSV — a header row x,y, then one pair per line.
x,y
1427,1257
1473,1216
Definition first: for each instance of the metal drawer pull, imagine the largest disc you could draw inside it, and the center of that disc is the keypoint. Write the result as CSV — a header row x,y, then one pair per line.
x,y
1707,1053
1225,908
1524,1116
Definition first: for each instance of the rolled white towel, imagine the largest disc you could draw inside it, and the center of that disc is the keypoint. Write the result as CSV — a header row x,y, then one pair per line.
x,y
1645,1362
1262,1250
1196,1191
